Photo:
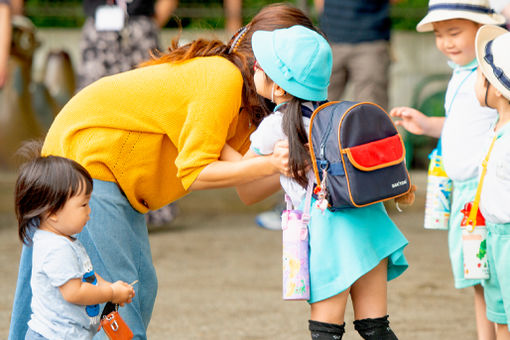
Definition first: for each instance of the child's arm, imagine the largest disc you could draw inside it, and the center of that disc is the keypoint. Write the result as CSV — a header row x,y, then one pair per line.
x,y
416,122
83,293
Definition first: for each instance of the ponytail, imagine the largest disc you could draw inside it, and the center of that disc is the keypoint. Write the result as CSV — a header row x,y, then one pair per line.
x,y
293,127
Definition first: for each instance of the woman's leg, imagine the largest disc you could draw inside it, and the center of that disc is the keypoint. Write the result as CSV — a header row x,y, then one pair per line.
x,y
369,300
21,309
486,329
117,243
327,317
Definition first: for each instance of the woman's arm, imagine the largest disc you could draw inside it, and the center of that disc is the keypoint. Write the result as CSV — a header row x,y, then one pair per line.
x,y
256,191
233,172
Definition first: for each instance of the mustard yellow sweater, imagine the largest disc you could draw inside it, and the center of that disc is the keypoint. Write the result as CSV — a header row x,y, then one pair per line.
x,y
152,130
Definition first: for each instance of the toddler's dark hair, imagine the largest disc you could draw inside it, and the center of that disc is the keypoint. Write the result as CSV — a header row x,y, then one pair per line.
x,y
43,186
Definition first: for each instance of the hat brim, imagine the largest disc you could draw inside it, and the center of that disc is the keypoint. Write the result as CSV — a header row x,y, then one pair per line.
x,y
483,36
425,25
265,56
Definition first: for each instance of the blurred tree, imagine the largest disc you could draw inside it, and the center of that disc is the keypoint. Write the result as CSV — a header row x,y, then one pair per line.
x,y
205,14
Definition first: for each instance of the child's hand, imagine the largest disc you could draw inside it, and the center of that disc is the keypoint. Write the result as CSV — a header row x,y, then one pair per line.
x,y
412,120
407,199
122,292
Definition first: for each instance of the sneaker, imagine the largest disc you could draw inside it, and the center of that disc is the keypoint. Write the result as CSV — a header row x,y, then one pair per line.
x,y
162,216
270,220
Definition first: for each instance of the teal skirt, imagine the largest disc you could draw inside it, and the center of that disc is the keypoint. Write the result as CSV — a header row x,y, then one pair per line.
x,y
347,244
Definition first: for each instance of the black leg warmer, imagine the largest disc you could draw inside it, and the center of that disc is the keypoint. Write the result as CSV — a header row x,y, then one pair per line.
x,y
325,331
375,329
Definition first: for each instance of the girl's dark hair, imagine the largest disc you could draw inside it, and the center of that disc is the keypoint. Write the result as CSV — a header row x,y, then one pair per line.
x,y
43,186
293,127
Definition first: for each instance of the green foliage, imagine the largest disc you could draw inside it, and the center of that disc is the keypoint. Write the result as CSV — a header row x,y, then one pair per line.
x,y
406,14
203,14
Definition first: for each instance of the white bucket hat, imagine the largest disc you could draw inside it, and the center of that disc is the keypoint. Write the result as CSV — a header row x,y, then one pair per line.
x,y
475,10
493,55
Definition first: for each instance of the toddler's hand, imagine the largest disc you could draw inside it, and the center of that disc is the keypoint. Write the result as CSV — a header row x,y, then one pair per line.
x,y
410,119
122,293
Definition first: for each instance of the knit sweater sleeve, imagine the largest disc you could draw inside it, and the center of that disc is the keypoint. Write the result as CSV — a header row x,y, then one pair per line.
x,y
211,117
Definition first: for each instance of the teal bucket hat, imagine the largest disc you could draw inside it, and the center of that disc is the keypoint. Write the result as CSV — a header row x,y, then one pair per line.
x,y
298,59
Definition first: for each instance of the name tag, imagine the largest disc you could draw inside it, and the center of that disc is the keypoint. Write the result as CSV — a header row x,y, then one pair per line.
x,y
109,18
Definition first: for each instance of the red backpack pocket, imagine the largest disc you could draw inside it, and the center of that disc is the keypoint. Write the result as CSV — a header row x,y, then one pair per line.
x,y
377,154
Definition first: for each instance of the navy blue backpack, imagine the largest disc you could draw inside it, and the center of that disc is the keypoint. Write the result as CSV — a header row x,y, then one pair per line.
x,y
360,149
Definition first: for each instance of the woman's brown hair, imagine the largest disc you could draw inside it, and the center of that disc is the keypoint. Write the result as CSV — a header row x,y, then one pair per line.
x,y
269,18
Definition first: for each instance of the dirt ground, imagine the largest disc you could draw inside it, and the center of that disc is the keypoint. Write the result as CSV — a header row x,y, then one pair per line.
x,y
220,276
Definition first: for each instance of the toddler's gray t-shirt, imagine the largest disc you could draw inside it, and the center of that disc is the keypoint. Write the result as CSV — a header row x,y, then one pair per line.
x,y
56,260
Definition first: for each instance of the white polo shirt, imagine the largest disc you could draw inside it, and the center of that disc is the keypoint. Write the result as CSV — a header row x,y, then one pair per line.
x,y
467,125
495,198
263,140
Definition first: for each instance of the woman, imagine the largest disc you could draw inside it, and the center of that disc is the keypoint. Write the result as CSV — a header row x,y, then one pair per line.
x,y
152,135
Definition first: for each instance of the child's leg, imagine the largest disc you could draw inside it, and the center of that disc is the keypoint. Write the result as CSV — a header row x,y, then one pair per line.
x,y
486,329
368,293
502,331
369,300
327,317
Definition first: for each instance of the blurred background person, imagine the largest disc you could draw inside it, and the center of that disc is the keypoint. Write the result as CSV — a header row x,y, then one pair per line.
x,y
106,50
361,56
7,9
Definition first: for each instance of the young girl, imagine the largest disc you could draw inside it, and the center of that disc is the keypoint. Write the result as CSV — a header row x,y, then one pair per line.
x,y
352,251
52,205
493,90
466,127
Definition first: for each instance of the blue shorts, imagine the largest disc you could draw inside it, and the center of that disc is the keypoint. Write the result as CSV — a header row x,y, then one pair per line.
x,y
463,192
497,287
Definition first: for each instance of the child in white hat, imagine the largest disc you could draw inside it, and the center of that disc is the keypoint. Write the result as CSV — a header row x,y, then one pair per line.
x,y
466,127
493,90
353,252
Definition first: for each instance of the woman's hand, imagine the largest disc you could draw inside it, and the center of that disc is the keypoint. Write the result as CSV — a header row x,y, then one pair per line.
x,y
280,157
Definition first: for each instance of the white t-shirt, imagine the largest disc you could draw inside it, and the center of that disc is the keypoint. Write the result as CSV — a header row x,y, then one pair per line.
x,y
495,198
467,125
56,260
263,140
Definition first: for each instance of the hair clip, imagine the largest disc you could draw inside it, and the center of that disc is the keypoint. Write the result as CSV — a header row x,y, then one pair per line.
x,y
237,38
